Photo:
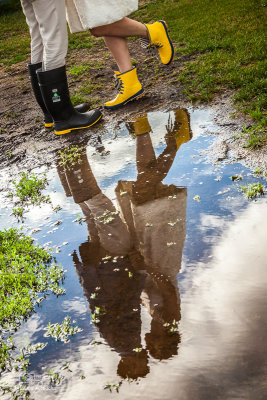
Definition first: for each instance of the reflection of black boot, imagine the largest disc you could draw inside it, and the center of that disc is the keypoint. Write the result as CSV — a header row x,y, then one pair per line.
x,y
48,120
55,93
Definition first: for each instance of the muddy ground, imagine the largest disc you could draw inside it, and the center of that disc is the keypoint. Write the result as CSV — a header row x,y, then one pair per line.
x,y
24,140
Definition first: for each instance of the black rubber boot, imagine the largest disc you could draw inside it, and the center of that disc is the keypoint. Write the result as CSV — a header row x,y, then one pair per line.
x,y
55,93
48,120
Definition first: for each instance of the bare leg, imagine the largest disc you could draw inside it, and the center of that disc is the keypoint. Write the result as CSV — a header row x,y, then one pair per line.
x,y
119,49
125,27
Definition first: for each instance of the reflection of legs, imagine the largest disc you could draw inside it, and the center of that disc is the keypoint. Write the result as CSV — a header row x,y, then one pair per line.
x,y
145,153
163,339
81,180
102,217
63,180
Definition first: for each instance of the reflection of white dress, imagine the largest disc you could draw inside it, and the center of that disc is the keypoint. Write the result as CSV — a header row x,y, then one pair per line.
x,y
158,227
86,14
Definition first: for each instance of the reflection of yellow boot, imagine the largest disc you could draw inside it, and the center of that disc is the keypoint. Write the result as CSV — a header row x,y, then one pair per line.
x,y
129,89
159,37
139,126
183,133
180,127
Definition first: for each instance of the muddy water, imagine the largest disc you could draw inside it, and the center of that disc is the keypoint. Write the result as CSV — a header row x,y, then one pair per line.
x,y
166,274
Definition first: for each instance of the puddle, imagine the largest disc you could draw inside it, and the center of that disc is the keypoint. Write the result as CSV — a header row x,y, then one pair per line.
x,y
165,268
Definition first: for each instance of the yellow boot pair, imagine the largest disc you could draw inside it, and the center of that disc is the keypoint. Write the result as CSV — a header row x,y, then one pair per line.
x,y
127,83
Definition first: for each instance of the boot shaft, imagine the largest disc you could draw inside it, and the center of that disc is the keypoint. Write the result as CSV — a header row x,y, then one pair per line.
x,y
32,68
54,88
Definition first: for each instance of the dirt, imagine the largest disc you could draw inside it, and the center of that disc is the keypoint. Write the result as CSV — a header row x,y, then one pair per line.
x,y
25,141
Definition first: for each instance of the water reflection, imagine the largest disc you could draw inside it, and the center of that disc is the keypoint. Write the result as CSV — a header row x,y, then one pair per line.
x,y
132,257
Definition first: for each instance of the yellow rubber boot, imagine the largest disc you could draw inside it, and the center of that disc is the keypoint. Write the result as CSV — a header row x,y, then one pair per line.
x,y
140,126
128,86
180,127
159,37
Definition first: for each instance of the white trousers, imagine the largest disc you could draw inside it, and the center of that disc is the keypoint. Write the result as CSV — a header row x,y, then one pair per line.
x,y
48,30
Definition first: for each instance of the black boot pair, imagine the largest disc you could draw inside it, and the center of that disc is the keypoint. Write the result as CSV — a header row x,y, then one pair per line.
x,y
52,94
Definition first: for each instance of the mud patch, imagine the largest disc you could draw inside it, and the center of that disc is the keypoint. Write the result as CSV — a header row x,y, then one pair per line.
x,y
23,136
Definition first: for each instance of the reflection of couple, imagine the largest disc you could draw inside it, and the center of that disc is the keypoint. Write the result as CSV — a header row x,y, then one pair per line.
x,y
134,258
49,45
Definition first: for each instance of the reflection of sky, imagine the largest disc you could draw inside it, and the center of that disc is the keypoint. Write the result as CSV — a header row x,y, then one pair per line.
x,y
223,318
221,281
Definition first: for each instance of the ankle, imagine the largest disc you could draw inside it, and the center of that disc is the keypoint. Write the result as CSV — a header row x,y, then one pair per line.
x,y
145,34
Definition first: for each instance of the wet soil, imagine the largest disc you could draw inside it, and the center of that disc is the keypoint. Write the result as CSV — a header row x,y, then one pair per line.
x,y
24,140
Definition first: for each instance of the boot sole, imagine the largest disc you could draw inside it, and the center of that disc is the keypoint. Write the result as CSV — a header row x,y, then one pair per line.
x,y
79,127
166,30
136,96
48,124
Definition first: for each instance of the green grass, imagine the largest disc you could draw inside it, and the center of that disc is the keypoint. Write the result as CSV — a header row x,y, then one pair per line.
x,y
82,40
78,71
25,272
15,39
253,190
255,136
28,191
62,331
70,156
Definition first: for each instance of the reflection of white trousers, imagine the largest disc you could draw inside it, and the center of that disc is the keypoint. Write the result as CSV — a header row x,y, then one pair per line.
x,y
48,29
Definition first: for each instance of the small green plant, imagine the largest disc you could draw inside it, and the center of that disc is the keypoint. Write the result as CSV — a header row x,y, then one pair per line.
x,y
77,98
28,191
66,366
55,378
57,208
107,217
252,190
237,177
138,349
258,171
111,386
20,392
255,136
10,115
78,70
70,156
62,331
172,327
79,219
18,212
